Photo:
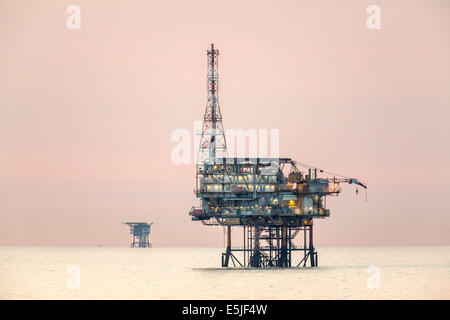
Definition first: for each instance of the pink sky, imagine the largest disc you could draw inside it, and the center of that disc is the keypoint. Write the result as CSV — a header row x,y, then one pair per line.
x,y
86,115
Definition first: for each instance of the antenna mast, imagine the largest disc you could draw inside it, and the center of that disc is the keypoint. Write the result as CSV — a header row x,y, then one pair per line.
x,y
212,143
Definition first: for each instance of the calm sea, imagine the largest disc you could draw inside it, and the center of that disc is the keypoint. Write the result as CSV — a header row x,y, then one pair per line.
x,y
194,273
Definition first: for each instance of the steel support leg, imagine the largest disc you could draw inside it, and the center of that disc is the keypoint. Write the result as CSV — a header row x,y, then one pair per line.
x,y
227,254
311,247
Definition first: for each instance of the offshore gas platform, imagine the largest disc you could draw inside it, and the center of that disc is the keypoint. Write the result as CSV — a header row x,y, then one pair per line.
x,y
271,199
140,232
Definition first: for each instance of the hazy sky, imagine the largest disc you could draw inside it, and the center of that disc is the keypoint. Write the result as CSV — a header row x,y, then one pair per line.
x,y
86,115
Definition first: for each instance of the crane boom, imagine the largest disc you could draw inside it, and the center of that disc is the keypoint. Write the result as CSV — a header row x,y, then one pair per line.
x,y
349,181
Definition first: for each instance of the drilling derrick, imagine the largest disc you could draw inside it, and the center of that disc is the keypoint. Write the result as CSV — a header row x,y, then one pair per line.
x,y
212,141
271,199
